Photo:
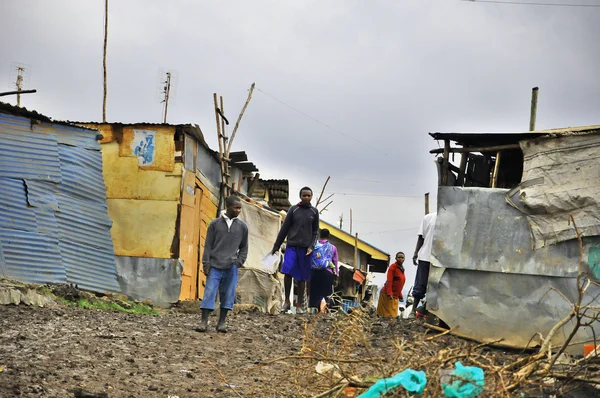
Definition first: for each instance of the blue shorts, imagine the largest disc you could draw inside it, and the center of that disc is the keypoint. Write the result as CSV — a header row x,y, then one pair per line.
x,y
296,263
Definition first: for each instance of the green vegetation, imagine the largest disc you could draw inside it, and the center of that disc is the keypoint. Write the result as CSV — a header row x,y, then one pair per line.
x,y
131,308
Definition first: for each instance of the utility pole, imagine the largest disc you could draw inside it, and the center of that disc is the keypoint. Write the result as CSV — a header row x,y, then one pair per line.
x,y
104,60
350,221
533,114
19,84
167,93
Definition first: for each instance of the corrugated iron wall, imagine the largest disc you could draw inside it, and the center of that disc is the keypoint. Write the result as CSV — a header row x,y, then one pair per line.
x,y
54,224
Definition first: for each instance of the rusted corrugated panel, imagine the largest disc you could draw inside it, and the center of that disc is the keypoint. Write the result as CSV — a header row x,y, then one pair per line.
x,y
31,257
26,154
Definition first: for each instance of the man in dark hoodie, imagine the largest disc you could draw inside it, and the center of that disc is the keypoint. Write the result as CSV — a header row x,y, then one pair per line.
x,y
225,250
301,227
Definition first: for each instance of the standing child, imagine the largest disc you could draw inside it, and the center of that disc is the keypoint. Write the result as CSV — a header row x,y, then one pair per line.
x,y
324,261
301,227
225,250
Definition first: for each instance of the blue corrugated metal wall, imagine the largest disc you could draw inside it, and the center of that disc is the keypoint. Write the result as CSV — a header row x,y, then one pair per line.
x,y
54,224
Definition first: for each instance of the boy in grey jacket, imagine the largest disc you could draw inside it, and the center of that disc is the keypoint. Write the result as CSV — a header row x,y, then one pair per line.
x,y
225,250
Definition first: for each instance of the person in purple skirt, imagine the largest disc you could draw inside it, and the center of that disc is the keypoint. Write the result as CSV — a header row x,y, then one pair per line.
x,y
301,227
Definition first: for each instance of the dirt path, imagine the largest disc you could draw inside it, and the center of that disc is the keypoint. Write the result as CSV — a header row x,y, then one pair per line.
x,y
51,352
61,351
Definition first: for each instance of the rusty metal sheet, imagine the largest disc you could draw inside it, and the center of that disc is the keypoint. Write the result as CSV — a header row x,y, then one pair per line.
x,y
476,229
157,279
512,307
483,262
25,154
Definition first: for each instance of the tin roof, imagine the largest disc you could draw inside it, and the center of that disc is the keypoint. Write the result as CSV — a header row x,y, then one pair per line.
x,y
470,139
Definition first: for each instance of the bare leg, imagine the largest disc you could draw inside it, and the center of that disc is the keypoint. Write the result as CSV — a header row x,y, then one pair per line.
x,y
287,283
301,294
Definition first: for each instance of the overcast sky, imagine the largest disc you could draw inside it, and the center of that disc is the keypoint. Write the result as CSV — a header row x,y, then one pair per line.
x,y
380,74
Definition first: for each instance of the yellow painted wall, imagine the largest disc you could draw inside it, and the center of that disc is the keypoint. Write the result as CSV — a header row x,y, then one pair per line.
x,y
142,200
164,159
142,228
126,180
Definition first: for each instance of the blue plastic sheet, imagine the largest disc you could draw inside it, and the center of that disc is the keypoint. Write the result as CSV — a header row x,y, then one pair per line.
x,y
466,382
411,380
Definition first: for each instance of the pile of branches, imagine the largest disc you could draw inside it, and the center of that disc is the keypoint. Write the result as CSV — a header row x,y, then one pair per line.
x,y
341,357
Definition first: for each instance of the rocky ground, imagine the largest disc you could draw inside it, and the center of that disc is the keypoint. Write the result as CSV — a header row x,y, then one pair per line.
x,y
62,351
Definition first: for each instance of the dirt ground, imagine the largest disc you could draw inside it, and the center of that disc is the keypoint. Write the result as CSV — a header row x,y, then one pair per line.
x,y
68,352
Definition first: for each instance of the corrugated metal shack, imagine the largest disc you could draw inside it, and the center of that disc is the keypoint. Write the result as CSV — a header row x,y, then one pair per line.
x,y
506,256
54,225
163,185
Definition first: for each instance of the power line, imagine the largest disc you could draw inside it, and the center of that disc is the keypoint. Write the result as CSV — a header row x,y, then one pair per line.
x,y
388,231
379,195
528,3
373,181
320,122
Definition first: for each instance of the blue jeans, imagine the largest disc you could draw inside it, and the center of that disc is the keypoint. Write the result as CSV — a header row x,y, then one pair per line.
x,y
420,288
223,281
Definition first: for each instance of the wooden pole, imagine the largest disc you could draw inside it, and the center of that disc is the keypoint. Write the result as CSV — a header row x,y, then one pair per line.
x,y
446,162
427,203
225,156
237,124
18,92
496,167
322,192
477,149
533,114
356,259
462,169
220,144
253,184
104,60
350,221
167,94
223,131
325,208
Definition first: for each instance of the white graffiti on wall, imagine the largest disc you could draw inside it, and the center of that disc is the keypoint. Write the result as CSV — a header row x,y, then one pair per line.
x,y
143,146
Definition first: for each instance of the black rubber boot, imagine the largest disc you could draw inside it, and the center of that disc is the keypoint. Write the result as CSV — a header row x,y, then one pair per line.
x,y
222,318
204,323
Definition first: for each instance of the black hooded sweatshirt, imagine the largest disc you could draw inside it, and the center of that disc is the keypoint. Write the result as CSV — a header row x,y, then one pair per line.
x,y
301,226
